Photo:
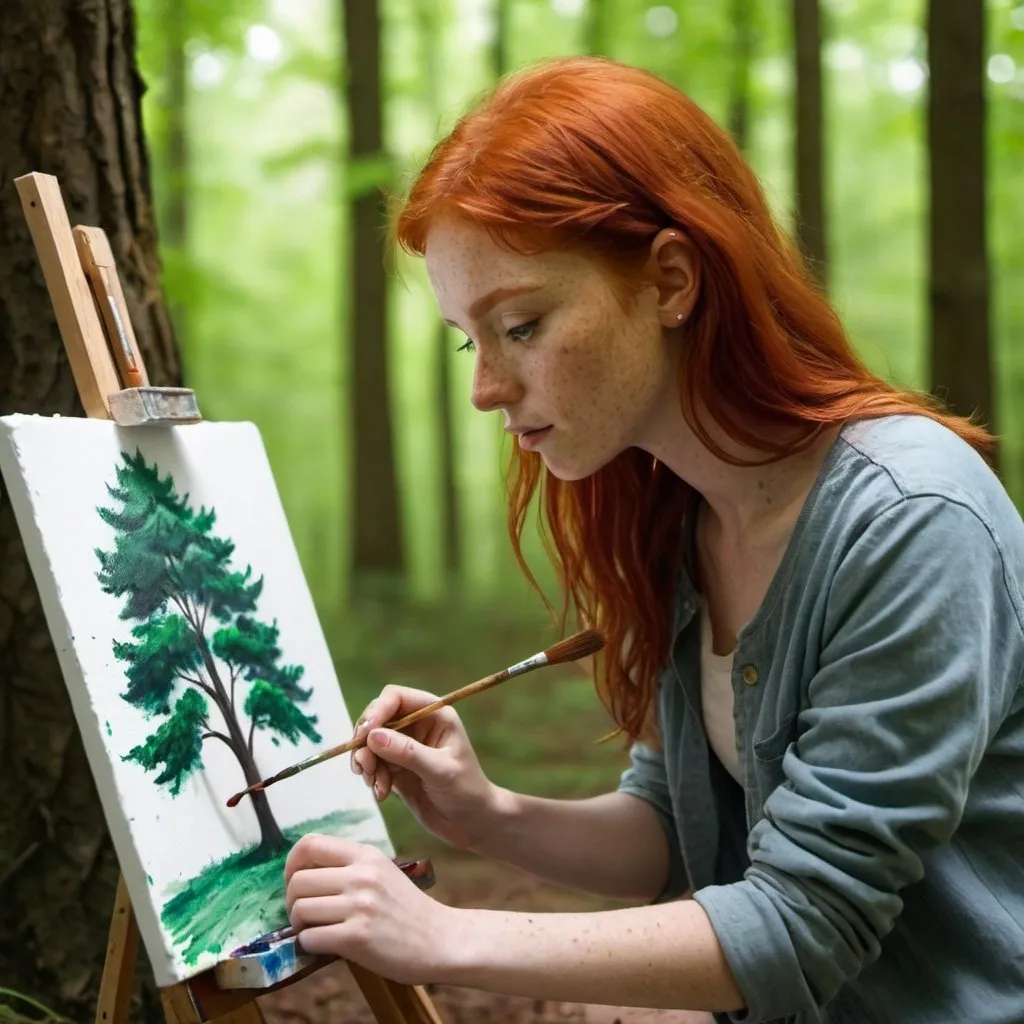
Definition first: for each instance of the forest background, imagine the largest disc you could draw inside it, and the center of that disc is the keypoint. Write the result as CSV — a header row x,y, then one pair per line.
x,y
889,135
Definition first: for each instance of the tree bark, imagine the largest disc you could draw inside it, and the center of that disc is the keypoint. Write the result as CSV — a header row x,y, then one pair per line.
x,y
811,221
378,549
960,344
70,94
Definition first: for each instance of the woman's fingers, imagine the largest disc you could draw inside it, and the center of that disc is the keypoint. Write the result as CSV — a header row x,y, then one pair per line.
x,y
315,911
392,703
382,780
313,882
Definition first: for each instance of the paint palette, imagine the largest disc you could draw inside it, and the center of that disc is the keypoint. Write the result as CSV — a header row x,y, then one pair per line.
x,y
264,962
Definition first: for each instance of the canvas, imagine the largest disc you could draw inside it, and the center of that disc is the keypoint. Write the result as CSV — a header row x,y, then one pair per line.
x,y
195,663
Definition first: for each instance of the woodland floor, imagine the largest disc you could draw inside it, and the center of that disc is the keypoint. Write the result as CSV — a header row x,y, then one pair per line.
x,y
329,996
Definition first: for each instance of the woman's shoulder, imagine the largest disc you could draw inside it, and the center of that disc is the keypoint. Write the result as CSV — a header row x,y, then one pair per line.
x,y
879,463
901,487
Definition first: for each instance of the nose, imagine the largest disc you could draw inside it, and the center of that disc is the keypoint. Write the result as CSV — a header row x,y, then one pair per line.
x,y
496,385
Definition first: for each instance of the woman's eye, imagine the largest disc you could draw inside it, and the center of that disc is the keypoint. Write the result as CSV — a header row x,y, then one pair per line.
x,y
522,332
466,346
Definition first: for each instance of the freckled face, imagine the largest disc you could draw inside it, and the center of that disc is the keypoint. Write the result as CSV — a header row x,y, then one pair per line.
x,y
578,377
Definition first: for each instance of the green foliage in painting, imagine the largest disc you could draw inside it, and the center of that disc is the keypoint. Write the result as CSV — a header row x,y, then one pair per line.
x,y
177,746
269,708
196,635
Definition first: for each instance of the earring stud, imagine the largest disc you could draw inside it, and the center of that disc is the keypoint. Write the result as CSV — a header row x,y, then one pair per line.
x,y
679,316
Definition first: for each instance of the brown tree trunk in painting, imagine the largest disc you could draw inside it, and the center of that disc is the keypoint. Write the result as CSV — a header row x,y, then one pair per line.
x,y
960,348
377,536
742,18
70,92
809,138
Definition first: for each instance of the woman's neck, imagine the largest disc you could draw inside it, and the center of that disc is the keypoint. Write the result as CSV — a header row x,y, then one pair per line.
x,y
747,504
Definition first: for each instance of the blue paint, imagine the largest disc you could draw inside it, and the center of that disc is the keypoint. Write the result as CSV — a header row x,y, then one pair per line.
x,y
279,963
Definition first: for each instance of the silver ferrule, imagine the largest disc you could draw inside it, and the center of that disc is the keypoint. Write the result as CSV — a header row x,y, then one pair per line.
x,y
524,666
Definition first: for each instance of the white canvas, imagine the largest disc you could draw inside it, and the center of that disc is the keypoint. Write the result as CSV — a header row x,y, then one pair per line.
x,y
203,878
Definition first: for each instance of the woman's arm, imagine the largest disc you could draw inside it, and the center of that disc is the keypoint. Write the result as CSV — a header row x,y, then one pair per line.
x,y
666,956
612,845
349,900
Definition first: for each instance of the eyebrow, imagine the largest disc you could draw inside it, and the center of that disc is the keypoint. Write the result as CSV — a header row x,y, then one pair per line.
x,y
483,305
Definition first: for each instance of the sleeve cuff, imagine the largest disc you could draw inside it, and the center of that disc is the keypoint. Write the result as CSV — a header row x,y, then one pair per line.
x,y
759,951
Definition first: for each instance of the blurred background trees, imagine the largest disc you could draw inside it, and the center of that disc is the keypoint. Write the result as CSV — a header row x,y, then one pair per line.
x,y
272,143
889,135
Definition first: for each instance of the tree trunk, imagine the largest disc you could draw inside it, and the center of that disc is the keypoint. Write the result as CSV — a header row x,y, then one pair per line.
x,y
430,36
598,28
70,93
175,224
272,839
499,44
451,558
961,357
377,536
739,89
809,138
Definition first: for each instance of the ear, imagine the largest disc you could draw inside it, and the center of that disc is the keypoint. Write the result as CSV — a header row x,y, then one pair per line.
x,y
674,268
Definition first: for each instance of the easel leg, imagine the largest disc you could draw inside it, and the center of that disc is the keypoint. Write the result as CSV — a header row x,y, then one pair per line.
x,y
180,1008
393,1003
119,967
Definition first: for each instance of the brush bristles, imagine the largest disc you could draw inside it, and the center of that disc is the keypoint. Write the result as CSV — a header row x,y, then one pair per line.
x,y
572,648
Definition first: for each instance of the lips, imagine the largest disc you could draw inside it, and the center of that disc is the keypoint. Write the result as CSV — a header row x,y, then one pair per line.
x,y
529,439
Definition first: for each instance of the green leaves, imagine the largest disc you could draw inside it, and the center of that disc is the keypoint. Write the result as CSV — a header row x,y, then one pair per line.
x,y
176,746
164,549
269,708
166,651
165,554
252,647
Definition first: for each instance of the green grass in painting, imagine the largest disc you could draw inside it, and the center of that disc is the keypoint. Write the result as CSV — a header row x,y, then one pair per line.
x,y
238,895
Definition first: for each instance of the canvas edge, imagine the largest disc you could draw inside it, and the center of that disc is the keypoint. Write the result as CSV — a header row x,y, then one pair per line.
x,y
162,956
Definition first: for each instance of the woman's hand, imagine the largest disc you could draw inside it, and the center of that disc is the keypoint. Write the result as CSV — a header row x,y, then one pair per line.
x,y
431,765
349,900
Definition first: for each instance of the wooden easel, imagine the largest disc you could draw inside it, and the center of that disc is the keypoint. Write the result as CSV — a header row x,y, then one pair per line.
x,y
112,383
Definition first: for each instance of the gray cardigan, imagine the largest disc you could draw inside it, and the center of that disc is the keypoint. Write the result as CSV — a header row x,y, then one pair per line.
x,y
871,866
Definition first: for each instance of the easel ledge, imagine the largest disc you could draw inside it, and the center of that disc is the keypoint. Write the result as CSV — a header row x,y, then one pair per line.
x,y
110,375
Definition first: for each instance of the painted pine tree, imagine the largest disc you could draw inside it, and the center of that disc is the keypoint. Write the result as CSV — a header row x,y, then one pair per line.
x,y
196,644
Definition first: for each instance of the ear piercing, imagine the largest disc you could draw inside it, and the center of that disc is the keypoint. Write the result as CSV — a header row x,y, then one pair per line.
x,y
679,316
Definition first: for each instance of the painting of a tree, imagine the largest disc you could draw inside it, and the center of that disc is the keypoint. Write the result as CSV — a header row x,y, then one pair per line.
x,y
197,644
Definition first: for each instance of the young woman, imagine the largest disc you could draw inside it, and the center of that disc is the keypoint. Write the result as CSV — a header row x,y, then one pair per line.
x,y
810,583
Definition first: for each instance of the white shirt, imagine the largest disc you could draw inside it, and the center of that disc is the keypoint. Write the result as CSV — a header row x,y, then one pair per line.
x,y
717,699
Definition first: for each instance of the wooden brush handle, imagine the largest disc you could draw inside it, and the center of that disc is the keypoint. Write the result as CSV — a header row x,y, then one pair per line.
x,y
405,721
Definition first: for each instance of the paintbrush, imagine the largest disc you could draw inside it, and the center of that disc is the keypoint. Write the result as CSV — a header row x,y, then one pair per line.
x,y
577,646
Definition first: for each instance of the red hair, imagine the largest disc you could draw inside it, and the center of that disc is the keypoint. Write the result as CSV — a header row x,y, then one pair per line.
x,y
598,156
